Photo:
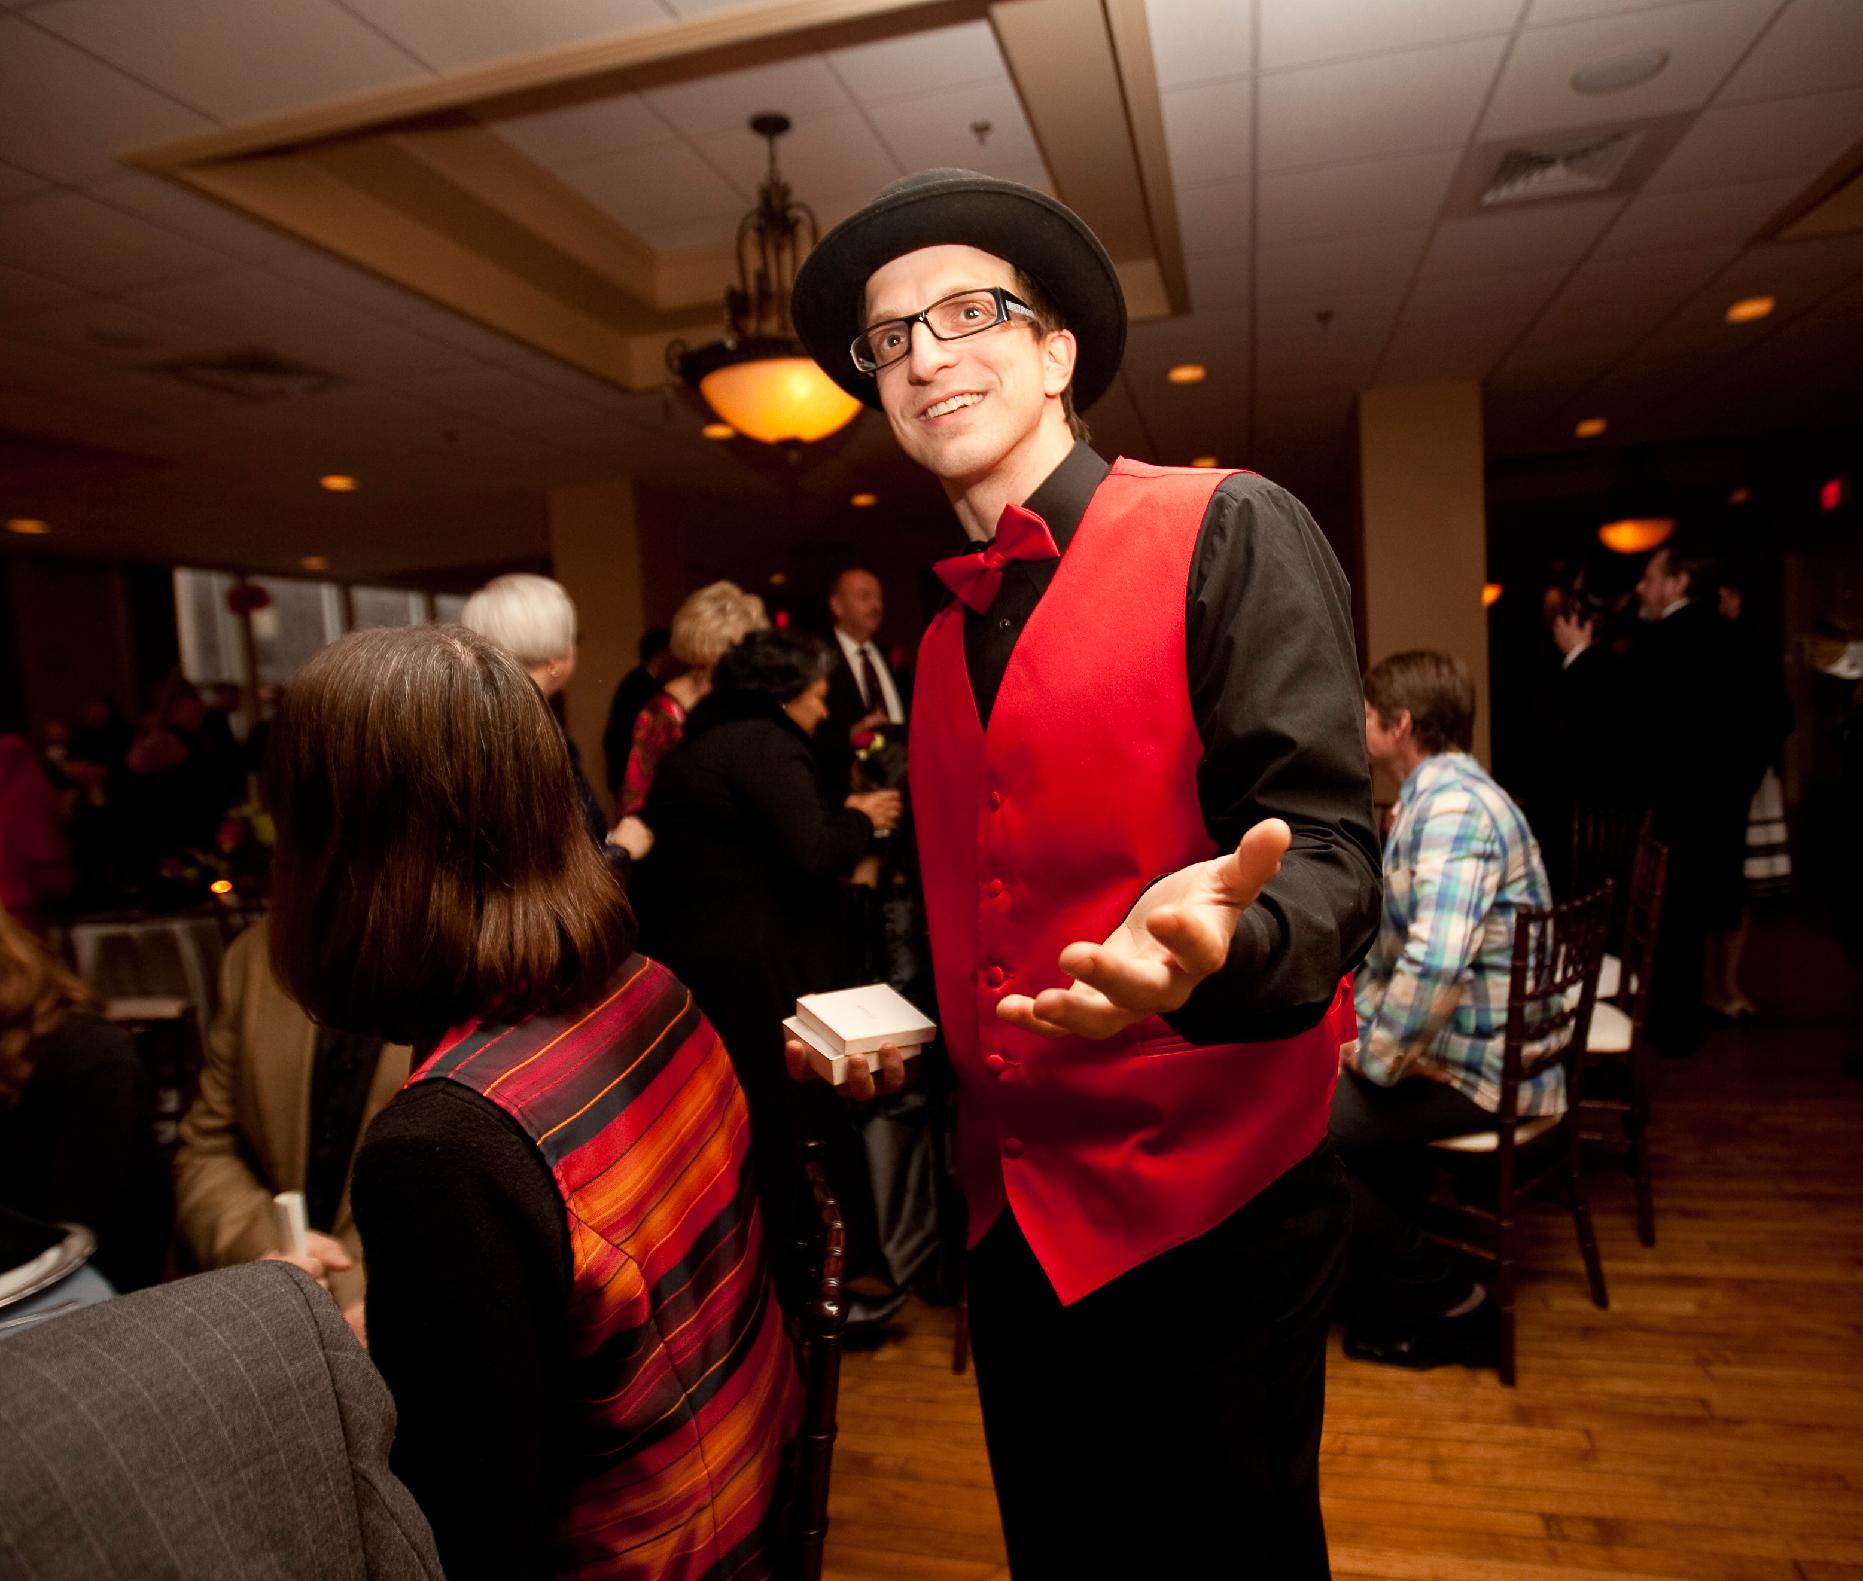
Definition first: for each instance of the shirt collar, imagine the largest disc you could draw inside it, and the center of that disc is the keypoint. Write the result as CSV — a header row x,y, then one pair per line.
x,y
1061,498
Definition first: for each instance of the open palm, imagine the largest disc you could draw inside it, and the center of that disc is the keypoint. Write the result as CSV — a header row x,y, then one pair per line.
x,y
1175,936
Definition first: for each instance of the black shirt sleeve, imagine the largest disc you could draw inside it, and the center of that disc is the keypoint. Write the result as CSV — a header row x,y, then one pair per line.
x,y
468,1320
1277,699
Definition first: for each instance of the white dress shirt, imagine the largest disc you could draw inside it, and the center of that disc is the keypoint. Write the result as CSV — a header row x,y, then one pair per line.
x,y
889,693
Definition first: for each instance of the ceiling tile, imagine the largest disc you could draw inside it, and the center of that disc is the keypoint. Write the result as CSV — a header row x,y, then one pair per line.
x,y
249,305
1703,39
1196,40
1796,273
559,136
21,292
449,34
66,236
1206,128
1659,221
42,82
1213,218
663,185
1756,142
1422,98
1425,353
232,59
1217,339
1518,238
1304,271
1294,32
1815,44
726,101
1339,329
1543,12
101,330
835,152
1667,276
1218,280
935,129
1341,200
940,57
28,367
200,219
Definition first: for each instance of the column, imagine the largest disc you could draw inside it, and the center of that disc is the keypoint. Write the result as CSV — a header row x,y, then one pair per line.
x,y
1423,528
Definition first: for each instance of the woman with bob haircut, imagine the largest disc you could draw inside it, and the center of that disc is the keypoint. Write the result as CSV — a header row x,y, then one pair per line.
x,y
567,1290
743,832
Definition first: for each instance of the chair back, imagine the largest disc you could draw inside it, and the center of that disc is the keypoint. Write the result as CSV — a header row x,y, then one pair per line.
x,y
1557,954
819,1327
1604,848
1642,918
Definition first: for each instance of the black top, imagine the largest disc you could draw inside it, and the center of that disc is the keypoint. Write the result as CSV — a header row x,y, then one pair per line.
x,y
79,1147
635,691
1273,675
342,1073
486,1239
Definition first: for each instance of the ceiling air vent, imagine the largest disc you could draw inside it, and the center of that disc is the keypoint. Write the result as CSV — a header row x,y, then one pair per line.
x,y
1560,170
252,374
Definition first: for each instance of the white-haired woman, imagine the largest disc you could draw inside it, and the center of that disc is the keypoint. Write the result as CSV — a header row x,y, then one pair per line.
x,y
707,626
534,620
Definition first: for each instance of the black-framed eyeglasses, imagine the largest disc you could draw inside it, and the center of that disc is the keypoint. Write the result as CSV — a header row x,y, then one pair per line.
x,y
954,317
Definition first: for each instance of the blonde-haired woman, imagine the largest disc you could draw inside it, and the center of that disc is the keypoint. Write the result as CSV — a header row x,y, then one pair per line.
x,y
77,1119
707,626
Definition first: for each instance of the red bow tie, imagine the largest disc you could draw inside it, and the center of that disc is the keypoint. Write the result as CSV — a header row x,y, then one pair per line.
x,y
975,578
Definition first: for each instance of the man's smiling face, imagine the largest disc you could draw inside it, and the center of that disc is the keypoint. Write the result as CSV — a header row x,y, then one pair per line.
x,y
963,409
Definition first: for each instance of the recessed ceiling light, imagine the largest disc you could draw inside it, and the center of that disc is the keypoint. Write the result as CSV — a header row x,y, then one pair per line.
x,y
315,562
778,578
1748,309
337,483
718,431
1188,373
1740,496
1636,534
29,526
1591,427
864,500
1203,461
1629,68
1490,594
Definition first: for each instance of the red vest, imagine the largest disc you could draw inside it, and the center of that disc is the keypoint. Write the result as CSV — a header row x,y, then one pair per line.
x,y
1043,831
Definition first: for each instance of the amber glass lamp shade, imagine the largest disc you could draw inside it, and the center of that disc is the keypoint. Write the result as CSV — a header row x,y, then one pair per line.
x,y
1636,534
778,399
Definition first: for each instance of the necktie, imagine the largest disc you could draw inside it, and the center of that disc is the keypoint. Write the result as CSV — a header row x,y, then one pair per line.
x,y
975,578
869,678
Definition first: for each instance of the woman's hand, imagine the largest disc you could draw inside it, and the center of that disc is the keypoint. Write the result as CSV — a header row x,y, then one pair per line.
x,y
633,836
882,807
323,1256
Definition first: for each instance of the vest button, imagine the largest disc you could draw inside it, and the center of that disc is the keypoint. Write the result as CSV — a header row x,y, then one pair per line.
x,y
994,977
994,1062
994,801
1012,1147
994,888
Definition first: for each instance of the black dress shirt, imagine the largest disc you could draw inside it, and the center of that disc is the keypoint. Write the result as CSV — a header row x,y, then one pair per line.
x,y
1273,678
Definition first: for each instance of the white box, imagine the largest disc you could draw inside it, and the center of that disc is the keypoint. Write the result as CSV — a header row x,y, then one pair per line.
x,y
861,1020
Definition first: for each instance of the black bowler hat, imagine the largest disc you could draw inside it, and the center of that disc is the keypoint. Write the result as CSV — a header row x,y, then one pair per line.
x,y
1041,237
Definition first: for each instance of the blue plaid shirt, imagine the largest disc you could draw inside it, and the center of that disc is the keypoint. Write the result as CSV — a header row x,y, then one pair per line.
x,y
1432,995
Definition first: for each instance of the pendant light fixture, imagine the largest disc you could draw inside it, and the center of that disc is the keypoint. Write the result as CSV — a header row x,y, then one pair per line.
x,y
757,377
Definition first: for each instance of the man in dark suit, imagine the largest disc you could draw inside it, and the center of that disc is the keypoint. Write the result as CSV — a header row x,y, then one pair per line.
x,y
863,692
1688,721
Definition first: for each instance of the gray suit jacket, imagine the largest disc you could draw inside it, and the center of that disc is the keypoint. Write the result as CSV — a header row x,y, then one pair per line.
x,y
222,1428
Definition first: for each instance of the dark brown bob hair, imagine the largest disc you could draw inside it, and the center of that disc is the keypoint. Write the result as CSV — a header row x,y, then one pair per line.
x,y
1437,690
432,866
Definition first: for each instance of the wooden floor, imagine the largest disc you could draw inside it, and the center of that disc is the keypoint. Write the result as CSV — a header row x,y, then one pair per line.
x,y
1709,1427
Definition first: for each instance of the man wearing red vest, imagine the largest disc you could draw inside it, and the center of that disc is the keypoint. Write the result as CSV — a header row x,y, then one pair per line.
x,y
1144,819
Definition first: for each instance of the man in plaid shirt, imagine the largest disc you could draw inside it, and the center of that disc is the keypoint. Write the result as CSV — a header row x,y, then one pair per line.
x,y
1432,1006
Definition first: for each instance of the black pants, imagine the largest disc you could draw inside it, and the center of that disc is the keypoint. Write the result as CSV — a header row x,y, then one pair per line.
x,y
1168,1424
1397,1277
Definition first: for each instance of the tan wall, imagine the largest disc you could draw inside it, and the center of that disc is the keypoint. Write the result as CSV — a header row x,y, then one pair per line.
x,y
595,551
1423,526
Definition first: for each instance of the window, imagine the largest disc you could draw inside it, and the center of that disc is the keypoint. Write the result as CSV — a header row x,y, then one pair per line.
x,y
300,619
387,606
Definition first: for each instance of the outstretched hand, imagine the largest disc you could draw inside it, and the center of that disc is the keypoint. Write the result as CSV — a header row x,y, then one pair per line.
x,y
1175,936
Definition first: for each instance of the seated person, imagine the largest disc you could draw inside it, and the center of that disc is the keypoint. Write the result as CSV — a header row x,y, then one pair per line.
x,y
1432,1006
568,1289
77,1119
281,1107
